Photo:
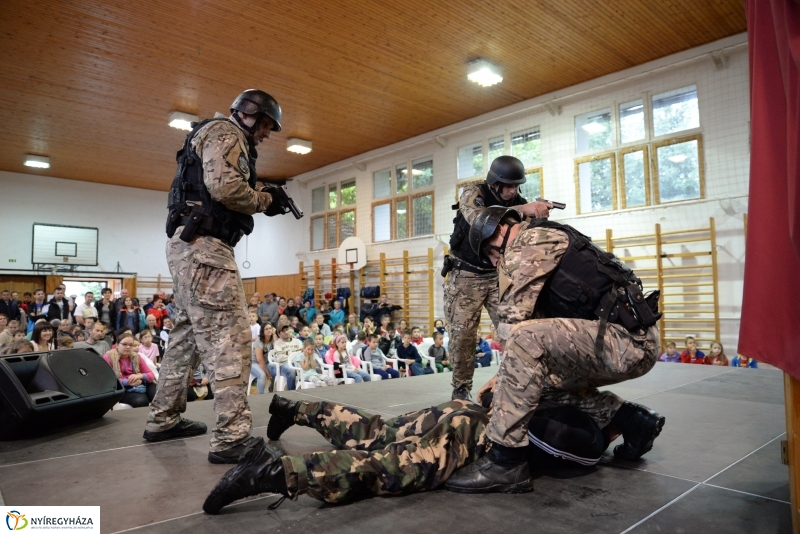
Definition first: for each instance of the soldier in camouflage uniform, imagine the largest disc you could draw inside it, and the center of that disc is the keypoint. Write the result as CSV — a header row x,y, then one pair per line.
x,y
554,358
410,453
471,286
212,202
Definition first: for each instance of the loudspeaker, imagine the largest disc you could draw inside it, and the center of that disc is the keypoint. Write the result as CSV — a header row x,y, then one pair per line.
x,y
43,391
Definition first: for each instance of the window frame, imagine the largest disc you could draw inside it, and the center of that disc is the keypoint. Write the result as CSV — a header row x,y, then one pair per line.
x,y
408,195
376,203
647,187
337,212
410,212
700,163
540,170
587,159
484,155
324,217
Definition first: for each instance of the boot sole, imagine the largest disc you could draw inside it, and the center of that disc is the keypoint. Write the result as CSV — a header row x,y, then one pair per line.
x,y
221,460
520,487
155,437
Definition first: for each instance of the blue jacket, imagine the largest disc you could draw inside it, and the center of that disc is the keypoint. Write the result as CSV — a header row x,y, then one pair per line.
x,y
483,347
409,353
337,316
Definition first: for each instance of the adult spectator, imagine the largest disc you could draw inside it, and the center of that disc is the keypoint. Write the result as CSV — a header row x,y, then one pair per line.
x,y
281,306
27,298
86,308
134,373
3,322
383,304
308,312
59,306
353,327
268,310
37,309
123,294
129,317
337,314
158,310
42,336
172,308
96,340
9,307
323,328
107,312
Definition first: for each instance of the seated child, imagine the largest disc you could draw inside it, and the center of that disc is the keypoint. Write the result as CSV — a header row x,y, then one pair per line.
x,y
743,361
438,325
371,353
717,356
304,334
439,353
312,370
493,344
691,354
320,346
345,364
361,342
671,355
483,353
410,358
416,336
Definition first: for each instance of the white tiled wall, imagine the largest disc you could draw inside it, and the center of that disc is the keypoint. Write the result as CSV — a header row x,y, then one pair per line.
x,y
724,117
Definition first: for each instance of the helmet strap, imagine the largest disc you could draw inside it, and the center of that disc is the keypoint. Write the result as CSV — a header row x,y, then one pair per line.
x,y
497,189
249,129
502,248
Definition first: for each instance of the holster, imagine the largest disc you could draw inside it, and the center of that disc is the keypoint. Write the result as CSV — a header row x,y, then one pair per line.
x,y
194,222
448,266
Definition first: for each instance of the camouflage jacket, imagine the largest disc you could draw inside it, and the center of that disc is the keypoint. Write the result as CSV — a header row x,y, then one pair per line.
x,y
472,203
527,264
225,152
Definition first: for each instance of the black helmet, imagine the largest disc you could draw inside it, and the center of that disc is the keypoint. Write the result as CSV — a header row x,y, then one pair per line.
x,y
254,101
485,225
506,170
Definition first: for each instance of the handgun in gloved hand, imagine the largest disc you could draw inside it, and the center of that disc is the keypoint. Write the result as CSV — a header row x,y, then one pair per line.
x,y
281,203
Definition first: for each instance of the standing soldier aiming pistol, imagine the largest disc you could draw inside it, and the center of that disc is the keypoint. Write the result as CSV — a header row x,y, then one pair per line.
x,y
211,205
472,285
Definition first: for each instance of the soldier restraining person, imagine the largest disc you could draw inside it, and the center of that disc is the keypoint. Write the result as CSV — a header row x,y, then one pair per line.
x,y
572,318
414,452
211,205
471,285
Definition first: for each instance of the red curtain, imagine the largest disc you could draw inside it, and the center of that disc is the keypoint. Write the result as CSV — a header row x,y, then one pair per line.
x,y
770,328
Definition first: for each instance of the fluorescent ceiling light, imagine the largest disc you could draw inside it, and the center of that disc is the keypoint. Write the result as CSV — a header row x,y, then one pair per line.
x,y
298,146
677,158
182,120
594,127
40,162
484,73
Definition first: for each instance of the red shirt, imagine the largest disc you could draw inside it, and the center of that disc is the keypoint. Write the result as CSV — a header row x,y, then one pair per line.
x,y
158,314
699,357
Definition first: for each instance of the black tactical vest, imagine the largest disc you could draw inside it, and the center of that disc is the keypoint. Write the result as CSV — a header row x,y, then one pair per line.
x,y
592,284
190,203
459,242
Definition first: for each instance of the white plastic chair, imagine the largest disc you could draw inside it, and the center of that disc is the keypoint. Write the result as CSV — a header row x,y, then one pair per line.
x,y
496,356
300,381
423,351
396,364
250,383
328,369
367,368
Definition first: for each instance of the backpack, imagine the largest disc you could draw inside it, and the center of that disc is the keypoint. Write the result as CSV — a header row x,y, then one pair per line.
x,y
371,292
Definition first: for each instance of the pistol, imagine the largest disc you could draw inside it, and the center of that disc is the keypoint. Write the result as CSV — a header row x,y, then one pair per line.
x,y
282,201
556,205
288,201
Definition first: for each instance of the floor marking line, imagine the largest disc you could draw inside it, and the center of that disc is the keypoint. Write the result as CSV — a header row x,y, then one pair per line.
x,y
745,456
748,493
670,503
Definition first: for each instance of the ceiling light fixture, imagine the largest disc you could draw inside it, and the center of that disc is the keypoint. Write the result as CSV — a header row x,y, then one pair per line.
x,y
677,158
182,120
298,146
484,73
594,128
39,162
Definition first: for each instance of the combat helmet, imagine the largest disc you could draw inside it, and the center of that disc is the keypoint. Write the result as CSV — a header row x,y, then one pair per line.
x,y
506,170
485,226
254,101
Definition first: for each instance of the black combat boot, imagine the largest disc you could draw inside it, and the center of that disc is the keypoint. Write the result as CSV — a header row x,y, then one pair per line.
x,y
184,429
230,456
502,470
260,470
461,393
282,412
640,426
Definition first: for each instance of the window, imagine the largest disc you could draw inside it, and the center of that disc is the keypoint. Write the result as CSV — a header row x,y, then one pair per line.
x,y
658,161
337,221
402,215
675,111
679,169
496,148
382,183
593,131
527,147
470,160
533,186
631,121
596,184
635,176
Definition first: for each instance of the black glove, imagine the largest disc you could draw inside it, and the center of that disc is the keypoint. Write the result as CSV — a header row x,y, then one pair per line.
x,y
275,206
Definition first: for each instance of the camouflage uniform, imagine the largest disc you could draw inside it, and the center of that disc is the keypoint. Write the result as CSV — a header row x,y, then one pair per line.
x,y
414,452
465,295
554,358
211,324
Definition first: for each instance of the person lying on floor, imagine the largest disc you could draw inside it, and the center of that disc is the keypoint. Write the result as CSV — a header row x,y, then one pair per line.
x,y
414,452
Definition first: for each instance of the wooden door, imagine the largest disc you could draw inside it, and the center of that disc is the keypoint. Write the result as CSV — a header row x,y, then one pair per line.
x,y
249,287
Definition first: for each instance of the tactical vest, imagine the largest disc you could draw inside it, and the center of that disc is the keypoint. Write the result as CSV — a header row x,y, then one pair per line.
x,y
190,203
459,240
592,284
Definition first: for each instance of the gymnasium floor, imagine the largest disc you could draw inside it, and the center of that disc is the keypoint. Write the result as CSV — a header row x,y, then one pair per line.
x,y
715,468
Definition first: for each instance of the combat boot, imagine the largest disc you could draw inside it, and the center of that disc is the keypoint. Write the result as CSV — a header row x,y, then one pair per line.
x,y
282,412
184,429
230,456
460,393
260,470
502,470
640,426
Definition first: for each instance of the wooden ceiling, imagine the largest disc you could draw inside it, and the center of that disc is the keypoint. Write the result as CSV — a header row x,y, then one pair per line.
x,y
90,84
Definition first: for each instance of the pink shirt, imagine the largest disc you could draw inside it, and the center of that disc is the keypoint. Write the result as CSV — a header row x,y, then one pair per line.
x,y
126,369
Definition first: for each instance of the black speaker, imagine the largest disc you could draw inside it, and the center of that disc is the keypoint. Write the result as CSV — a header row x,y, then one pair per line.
x,y
43,391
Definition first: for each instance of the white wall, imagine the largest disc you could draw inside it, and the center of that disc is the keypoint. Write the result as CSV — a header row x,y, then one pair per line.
x,y
131,225
724,117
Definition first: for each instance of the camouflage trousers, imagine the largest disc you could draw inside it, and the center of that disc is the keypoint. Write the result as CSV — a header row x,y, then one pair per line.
x,y
554,359
414,452
211,327
465,295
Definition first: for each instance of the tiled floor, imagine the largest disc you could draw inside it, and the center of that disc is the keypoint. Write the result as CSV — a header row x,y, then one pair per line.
x,y
715,468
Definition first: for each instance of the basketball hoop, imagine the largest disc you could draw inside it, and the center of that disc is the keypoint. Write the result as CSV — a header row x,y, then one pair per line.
x,y
353,253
